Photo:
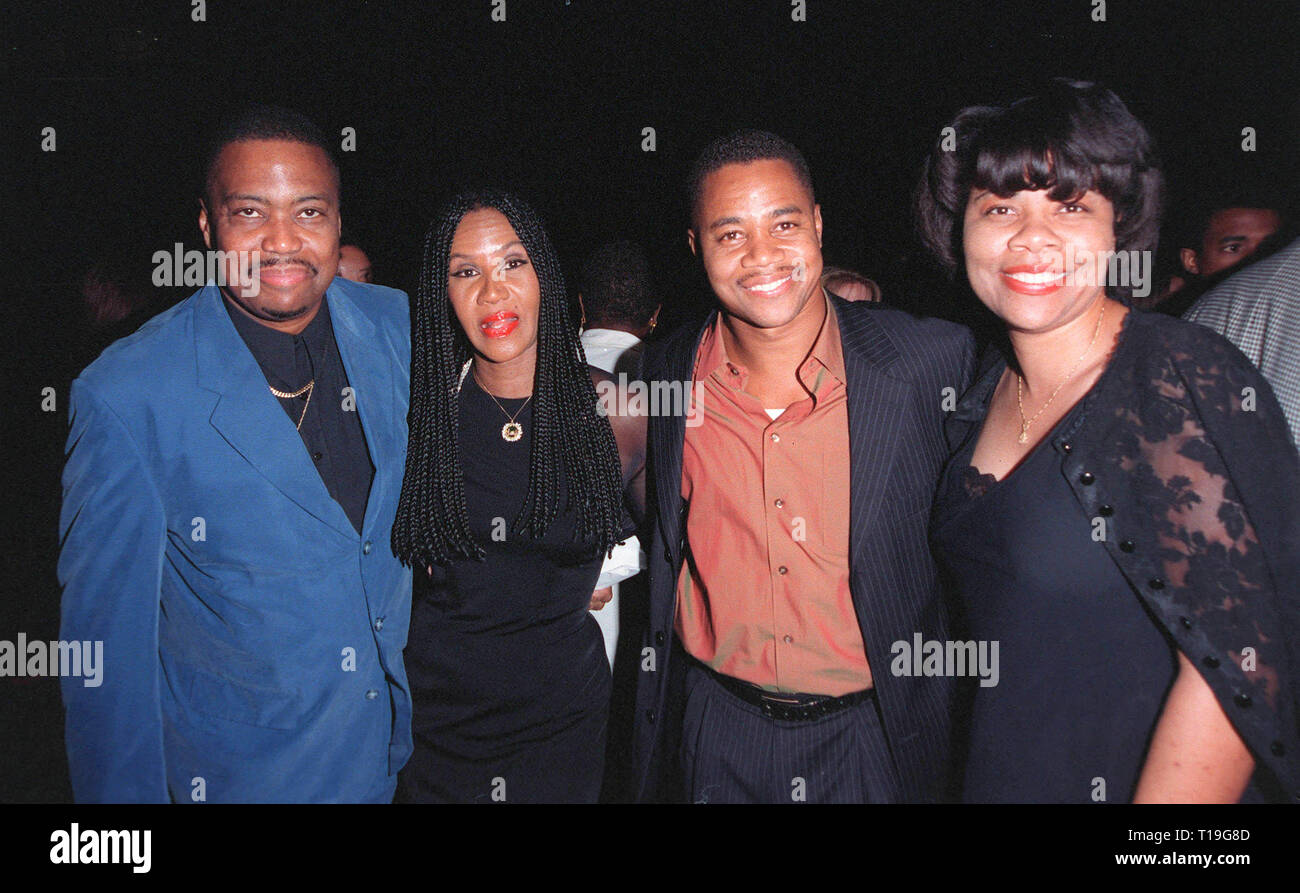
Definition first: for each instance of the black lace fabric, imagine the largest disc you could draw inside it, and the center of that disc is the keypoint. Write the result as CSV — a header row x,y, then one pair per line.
x,y
1215,571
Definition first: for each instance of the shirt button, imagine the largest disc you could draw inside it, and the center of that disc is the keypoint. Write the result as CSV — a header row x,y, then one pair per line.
x,y
660,638
379,624
651,716
1066,446
1127,546
1086,478
780,503
1241,699
782,570
372,694
776,438
787,639
1210,661
318,455
1106,510
1156,583
366,547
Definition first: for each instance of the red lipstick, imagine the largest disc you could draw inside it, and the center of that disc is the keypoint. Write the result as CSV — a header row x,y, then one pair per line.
x,y
1032,279
499,324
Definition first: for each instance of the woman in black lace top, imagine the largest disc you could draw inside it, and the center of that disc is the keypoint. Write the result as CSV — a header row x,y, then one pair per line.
x,y
1120,514
516,485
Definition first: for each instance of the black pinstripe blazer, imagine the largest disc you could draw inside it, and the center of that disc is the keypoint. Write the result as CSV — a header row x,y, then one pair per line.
x,y
897,367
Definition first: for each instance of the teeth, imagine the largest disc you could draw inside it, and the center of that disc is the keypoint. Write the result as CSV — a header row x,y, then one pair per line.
x,y
769,287
1036,278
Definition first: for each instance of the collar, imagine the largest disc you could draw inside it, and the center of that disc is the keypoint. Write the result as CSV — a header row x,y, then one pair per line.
x,y
827,351
276,351
608,338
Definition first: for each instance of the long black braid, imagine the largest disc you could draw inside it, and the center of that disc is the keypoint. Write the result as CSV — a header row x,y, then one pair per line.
x,y
432,523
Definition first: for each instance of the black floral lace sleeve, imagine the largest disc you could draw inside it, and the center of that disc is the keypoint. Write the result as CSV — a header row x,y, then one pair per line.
x,y
1200,453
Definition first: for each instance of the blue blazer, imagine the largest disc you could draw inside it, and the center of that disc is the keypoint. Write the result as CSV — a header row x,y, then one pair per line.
x,y
901,373
252,640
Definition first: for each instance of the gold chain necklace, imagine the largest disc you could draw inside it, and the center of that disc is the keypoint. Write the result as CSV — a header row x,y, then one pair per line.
x,y
1025,423
511,430
309,388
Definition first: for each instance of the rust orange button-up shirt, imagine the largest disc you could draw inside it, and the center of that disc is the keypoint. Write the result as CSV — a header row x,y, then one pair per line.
x,y
764,592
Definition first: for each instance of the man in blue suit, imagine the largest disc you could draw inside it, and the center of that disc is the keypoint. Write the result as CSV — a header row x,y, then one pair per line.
x,y
233,470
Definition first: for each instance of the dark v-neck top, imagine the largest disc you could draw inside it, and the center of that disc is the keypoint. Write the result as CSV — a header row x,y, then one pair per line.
x,y
1083,669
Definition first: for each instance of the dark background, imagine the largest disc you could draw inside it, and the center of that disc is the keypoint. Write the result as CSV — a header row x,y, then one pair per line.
x,y
551,102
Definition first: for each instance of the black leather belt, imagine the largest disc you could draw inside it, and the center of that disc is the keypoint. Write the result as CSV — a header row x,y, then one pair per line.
x,y
788,706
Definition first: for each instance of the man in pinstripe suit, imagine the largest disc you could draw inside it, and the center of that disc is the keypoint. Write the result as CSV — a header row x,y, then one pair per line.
x,y
788,538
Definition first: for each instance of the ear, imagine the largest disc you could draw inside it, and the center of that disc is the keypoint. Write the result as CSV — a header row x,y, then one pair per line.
x,y
654,317
690,241
205,225
1188,257
817,222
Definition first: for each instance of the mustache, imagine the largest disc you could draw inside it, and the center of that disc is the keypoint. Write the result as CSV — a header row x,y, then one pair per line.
x,y
289,262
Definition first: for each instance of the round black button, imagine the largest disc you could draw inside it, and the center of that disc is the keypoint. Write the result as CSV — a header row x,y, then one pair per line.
x,y
1156,583
1127,546
317,455
1242,700
1106,510
650,715
1086,478
1187,623
1210,661
659,638
668,556
1066,446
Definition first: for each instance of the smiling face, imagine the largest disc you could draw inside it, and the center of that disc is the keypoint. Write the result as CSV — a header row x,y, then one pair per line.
x,y
281,199
494,290
759,233
1036,262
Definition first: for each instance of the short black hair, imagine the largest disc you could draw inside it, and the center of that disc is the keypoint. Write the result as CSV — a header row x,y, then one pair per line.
x,y
1194,222
1071,137
262,122
744,147
615,285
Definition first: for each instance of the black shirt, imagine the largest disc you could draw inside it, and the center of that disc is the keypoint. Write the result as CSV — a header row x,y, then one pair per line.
x,y
330,426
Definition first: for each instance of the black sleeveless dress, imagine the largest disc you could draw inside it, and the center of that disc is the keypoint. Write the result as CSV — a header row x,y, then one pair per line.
x,y
509,680
1084,670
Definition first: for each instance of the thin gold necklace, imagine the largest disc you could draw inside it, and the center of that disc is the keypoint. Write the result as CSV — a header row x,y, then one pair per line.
x,y
511,430
309,388
1025,423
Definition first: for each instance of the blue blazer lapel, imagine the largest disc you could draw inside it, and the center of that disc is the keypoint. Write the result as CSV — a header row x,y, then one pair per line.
x,y
877,403
372,375
248,417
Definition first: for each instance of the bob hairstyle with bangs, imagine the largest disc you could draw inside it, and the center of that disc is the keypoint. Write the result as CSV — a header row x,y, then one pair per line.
x,y
1072,137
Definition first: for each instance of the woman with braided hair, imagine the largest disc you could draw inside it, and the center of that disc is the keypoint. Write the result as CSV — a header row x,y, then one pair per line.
x,y
516,486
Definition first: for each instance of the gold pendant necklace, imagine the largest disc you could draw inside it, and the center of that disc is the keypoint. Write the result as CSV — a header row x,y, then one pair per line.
x,y
308,389
511,430
1025,423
